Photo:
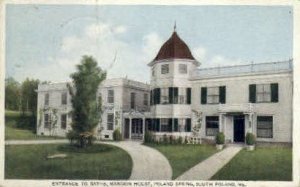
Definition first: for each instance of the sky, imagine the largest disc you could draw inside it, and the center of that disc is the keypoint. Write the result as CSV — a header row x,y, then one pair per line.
x,y
47,41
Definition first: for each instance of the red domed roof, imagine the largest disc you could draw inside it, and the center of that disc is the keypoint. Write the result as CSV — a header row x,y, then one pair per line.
x,y
174,47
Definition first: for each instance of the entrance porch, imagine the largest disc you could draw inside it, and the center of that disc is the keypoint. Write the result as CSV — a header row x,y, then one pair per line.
x,y
134,125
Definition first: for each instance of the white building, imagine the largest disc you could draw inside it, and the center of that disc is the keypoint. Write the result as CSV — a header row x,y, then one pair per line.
x,y
235,100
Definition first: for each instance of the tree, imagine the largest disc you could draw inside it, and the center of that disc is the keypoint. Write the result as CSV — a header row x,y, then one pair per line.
x,y
29,96
12,94
86,111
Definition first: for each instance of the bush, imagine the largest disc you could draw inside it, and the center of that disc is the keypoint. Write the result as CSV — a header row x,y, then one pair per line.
x,y
179,140
72,136
220,138
149,138
165,139
117,136
250,138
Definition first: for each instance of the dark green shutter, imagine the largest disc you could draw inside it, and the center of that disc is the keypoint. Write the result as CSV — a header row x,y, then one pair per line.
x,y
222,96
157,124
170,125
175,95
252,93
274,92
171,95
175,124
203,95
188,125
188,95
151,97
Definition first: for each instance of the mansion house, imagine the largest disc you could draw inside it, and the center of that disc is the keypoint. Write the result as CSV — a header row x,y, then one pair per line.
x,y
254,98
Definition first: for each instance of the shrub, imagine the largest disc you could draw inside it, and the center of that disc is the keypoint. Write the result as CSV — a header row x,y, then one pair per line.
x,y
72,136
117,135
185,140
250,138
149,138
165,139
220,138
179,140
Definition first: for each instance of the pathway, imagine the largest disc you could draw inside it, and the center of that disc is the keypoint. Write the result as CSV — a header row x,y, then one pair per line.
x,y
207,168
148,163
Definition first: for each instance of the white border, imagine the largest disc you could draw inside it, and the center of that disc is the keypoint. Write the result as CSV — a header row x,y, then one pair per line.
x,y
296,57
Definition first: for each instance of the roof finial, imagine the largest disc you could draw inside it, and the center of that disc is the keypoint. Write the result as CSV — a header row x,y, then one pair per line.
x,y
175,26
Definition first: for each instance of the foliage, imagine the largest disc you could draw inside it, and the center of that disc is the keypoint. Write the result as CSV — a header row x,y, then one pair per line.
x,y
90,163
16,131
183,157
12,94
149,137
250,138
86,111
117,136
29,96
220,138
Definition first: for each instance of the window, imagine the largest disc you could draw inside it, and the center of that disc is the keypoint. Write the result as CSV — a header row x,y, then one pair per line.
x,y
263,93
63,121
64,97
264,126
145,99
46,99
212,125
164,125
47,120
181,124
181,97
110,96
213,95
132,100
164,68
110,121
164,95
182,68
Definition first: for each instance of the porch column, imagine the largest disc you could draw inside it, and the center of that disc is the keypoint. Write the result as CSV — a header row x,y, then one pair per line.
x,y
130,121
220,122
144,124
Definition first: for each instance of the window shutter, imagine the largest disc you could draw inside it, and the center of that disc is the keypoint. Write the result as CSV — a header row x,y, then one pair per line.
x,y
188,95
151,99
157,124
274,92
176,124
252,93
171,94
170,125
188,125
222,95
203,95
175,94
158,95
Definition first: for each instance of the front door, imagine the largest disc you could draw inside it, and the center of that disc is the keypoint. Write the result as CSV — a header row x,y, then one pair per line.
x,y
137,129
239,128
126,134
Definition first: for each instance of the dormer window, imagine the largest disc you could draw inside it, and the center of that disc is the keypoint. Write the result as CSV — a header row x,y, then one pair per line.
x,y
164,68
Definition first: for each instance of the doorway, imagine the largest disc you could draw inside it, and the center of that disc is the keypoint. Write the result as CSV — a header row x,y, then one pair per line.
x,y
239,128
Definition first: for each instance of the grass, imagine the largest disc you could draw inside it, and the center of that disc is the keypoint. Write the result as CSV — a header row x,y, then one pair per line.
x,y
103,162
268,163
14,131
184,157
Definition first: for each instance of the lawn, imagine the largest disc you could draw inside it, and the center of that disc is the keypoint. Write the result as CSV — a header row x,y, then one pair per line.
x,y
13,131
268,163
184,157
103,162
